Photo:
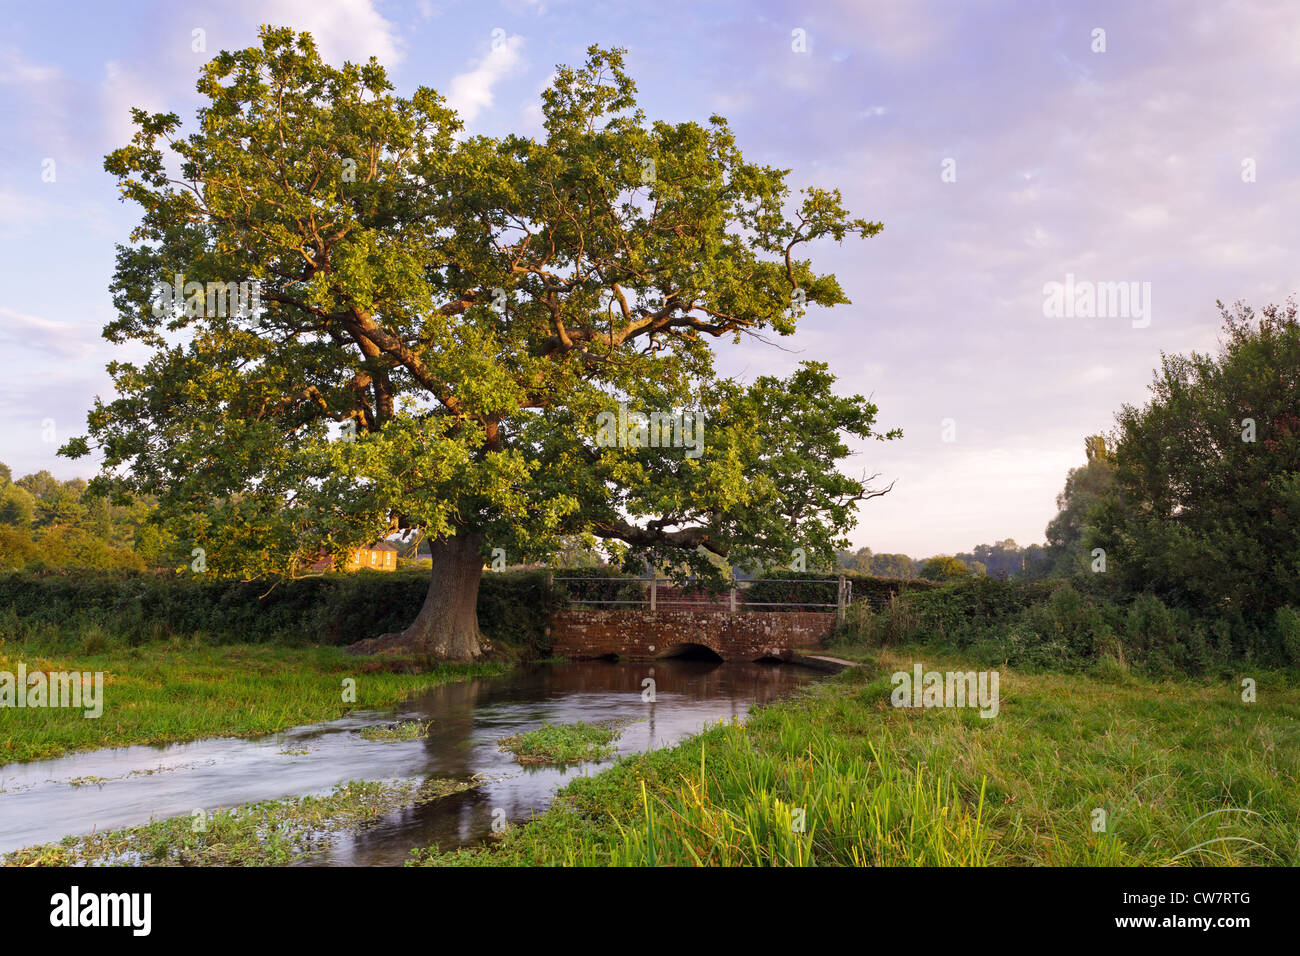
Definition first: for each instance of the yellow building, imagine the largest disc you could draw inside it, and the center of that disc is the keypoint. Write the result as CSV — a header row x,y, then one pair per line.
x,y
380,556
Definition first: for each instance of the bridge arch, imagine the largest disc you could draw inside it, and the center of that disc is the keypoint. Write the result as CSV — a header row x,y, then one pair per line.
x,y
691,650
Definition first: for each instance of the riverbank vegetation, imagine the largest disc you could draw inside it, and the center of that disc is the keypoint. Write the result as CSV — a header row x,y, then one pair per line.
x,y
273,833
563,744
398,731
1070,625
1183,772
178,690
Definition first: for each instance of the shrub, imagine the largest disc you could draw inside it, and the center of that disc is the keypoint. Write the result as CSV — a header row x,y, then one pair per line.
x,y
944,568
1053,624
1287,621
61,607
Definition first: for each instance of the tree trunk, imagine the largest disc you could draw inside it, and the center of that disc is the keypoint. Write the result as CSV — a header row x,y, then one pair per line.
x,y
447,626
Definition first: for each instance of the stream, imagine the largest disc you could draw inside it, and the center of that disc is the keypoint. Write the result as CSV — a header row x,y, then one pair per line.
x,y
43,801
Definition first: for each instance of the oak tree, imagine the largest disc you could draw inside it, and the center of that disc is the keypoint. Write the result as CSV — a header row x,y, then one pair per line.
x,y
442,321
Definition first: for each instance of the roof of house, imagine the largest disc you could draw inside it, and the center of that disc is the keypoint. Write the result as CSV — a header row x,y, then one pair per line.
x,y
382,546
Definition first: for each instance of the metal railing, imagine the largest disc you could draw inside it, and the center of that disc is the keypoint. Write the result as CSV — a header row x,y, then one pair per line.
x,y
659,592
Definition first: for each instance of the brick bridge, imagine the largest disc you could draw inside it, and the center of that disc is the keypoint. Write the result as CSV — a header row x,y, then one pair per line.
x,y
726,628
738,636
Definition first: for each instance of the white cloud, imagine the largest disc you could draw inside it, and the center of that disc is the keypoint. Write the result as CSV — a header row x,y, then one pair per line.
x,y
33,332
470,93
526,6
17,70
343,29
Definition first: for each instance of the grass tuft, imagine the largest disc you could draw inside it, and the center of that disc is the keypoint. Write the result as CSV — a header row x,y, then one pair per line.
x,y
402,730
563,744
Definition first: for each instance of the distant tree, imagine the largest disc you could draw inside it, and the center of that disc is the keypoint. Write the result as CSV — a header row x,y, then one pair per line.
x,y
857,561
1205,506
1084,489
1036,562
41,485
1004,559
151,543
893,566
6,476
98,519
17,548
577,553
863,561
61,508
944,568
17,506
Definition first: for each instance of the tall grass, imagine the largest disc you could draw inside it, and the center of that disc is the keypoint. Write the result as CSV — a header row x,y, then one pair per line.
x,y
1184,772
826,807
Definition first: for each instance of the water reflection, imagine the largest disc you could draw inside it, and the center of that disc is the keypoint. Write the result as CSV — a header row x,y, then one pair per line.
x,y
38,803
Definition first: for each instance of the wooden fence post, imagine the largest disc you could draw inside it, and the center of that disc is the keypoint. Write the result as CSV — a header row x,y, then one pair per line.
x,y
733,600
839,603
654,590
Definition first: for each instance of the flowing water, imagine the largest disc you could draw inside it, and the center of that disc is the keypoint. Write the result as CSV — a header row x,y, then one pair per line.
x,y
107,789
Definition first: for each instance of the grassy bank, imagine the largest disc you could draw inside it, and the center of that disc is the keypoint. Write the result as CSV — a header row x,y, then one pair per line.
x,y
177,691
1185,772
274,833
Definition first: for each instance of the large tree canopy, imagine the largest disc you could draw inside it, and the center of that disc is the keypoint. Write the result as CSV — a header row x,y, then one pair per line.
x,y
1205,507
443,320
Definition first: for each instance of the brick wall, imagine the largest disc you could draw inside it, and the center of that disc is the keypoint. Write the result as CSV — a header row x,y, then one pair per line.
x,y
743,636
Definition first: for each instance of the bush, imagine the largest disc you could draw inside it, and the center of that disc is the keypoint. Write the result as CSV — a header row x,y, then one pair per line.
x,y
944,568
1288,632
1052,624
138,607
1065,632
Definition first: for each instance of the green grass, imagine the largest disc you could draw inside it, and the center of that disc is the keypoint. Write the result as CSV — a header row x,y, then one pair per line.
x,y
274,833
1186,772
178,691
399,731
563,744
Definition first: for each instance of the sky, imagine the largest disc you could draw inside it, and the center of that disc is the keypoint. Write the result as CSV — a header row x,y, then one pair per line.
x,y
1005,147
